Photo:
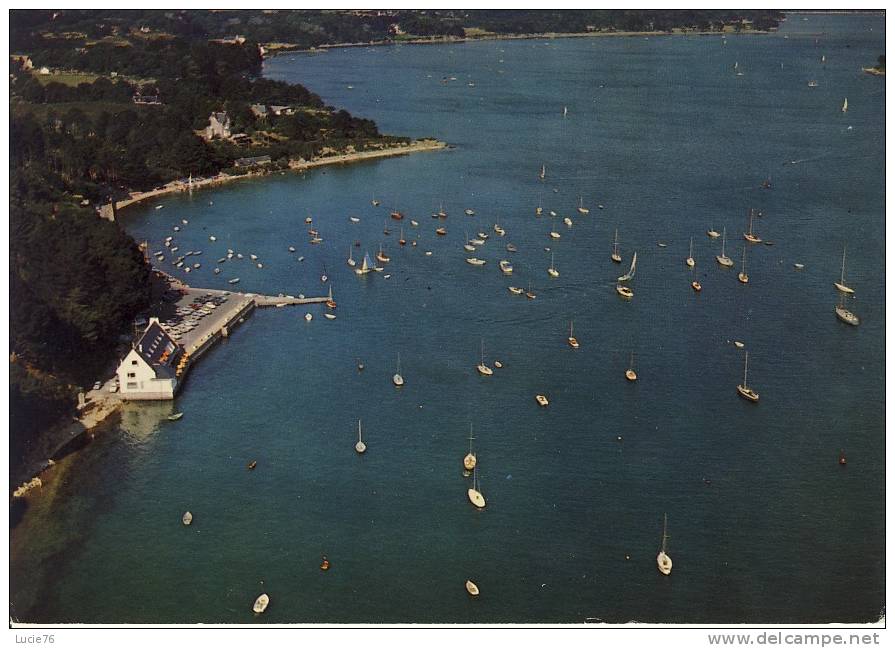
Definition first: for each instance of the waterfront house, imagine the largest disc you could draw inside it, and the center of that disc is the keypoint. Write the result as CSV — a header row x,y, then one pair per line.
x,y
218,126
259,111
152,368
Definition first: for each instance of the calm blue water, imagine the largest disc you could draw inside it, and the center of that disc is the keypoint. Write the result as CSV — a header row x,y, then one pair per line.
x,y
664,135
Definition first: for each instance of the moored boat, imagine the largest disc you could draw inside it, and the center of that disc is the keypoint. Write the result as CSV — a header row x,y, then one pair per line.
x,y
261,604
663,560
744,390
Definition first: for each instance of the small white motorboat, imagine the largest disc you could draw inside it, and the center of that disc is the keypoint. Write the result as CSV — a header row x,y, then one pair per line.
x,y
261,604
308,317
187,518
472,588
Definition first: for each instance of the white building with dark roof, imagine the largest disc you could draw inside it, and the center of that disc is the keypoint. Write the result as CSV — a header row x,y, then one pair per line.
x,y
218,126
153,367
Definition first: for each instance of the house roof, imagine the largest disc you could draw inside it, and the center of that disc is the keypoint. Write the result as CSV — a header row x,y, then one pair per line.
x,y
159,350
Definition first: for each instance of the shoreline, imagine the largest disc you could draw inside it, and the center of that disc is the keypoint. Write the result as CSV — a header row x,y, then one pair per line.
x,y
180,186
453,40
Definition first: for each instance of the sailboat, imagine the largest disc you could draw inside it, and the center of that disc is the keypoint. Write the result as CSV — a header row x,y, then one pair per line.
x,y
845,105
366,265
398,379
529,293
543,172
581,208
630,374
441,213
615,256
841,285
573,341
625,291
565,111
469,460
402,240
749,236
360,446
723,259
476,497
743,277
382,257
330,302
744,390
351,261
539,210
690,261
713,233
630,273
663,560
844,314
482,368
552,271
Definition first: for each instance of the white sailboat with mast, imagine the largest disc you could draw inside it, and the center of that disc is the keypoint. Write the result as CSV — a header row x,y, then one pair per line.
x,y
552,271
626,291
469,460
690,261
845,105
360,447
615,255
482,368
398,379
663,560
844,314
742,276
366,265
723,259
475,496
744,390
749,236
630,374
351,262
841,286
573,341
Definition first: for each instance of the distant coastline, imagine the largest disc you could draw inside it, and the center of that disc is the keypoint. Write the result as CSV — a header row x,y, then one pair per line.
x,y
180,186
279,49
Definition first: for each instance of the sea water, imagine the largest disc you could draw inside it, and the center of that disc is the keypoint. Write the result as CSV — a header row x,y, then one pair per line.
x,y
764,525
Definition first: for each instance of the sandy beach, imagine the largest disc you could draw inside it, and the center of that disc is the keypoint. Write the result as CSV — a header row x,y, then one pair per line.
x,y
179,186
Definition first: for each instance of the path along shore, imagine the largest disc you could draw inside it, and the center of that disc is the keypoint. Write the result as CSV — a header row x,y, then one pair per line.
x,y
280,49
179,186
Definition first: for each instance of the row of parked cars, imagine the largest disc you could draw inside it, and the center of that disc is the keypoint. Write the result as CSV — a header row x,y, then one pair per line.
x,y
188,317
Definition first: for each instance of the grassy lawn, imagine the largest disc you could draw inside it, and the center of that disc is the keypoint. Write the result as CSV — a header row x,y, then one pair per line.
x,y
67,78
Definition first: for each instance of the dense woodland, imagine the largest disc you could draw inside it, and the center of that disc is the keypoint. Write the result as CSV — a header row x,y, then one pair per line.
x,y
78,138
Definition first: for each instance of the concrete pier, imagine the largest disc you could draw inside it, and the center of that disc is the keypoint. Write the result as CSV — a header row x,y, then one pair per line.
x,y
221,322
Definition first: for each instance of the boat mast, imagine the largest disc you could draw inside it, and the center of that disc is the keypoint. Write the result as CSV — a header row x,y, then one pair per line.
x,y
723,243
665,533
842,276
745,369
470,438
744,259
358,431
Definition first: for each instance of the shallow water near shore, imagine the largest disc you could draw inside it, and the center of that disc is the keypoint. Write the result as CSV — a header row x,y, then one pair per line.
x,y
663,134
